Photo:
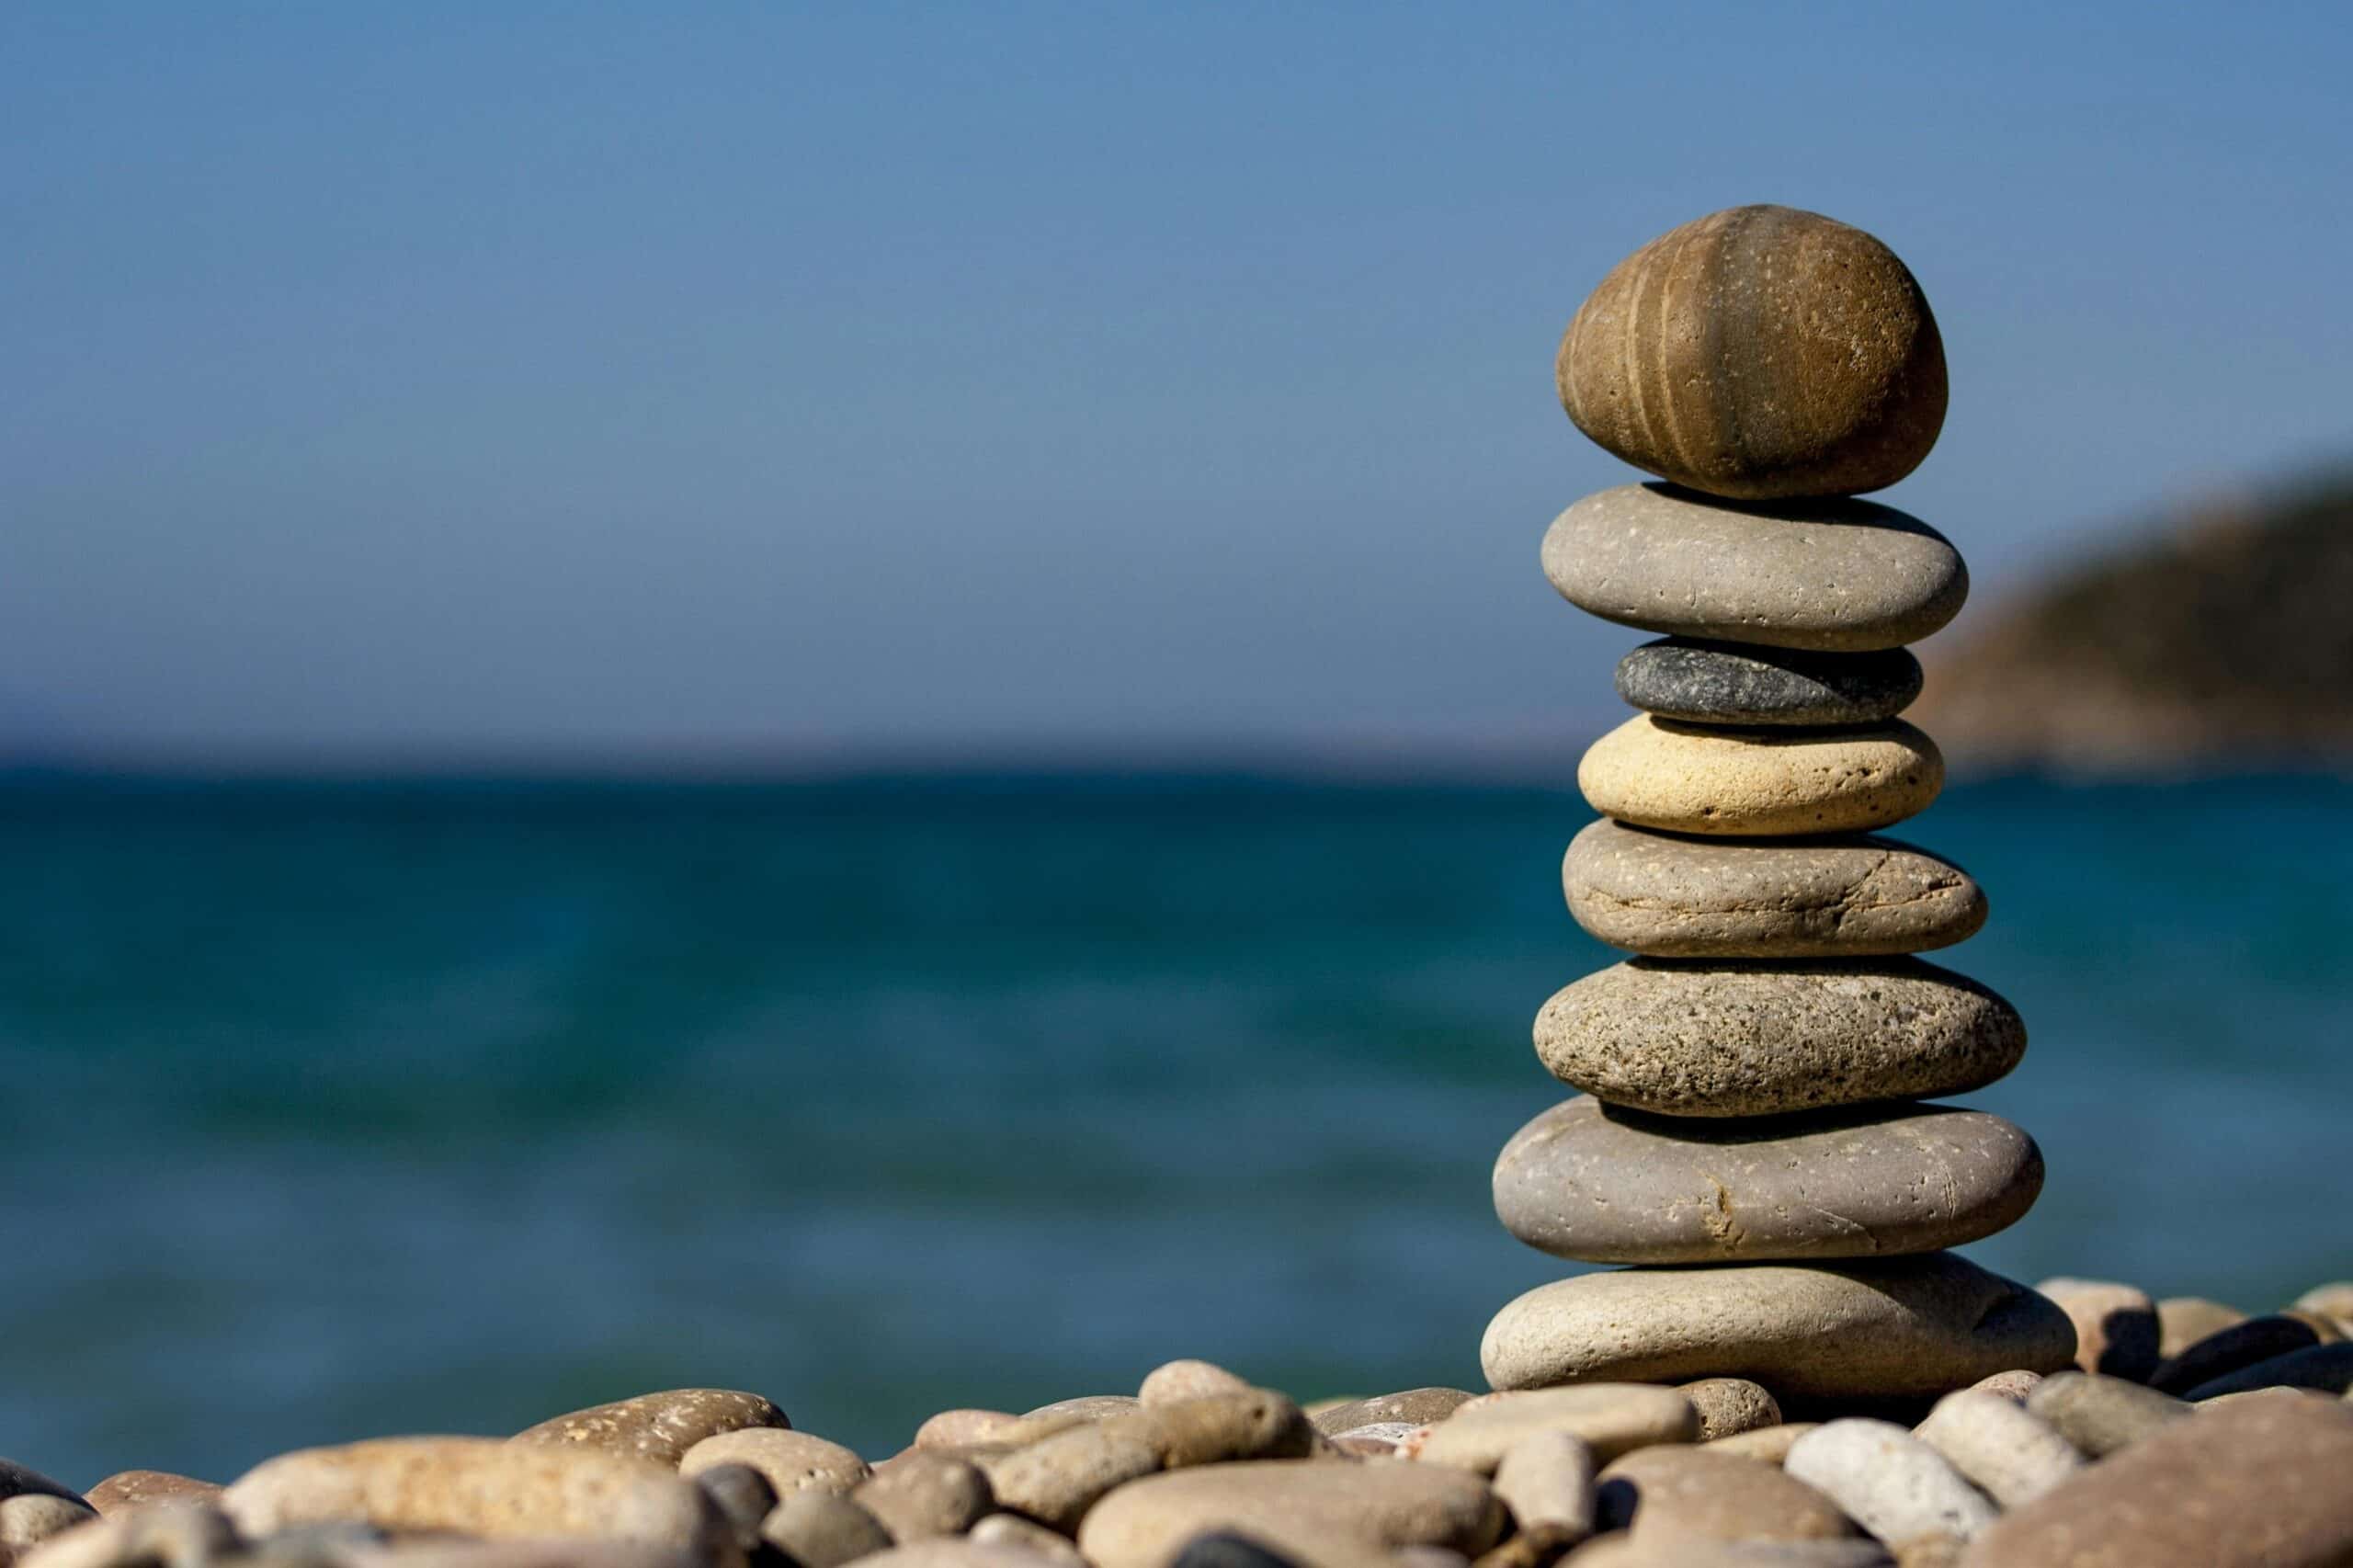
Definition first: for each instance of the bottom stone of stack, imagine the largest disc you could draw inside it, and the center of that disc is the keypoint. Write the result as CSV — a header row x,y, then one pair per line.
x,y
1893,1329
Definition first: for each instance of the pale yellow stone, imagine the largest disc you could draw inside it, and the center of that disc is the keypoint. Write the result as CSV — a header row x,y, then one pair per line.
x,y
1656,773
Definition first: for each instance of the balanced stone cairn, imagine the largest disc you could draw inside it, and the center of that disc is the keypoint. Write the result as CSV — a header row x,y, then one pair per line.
x,y
1751,1135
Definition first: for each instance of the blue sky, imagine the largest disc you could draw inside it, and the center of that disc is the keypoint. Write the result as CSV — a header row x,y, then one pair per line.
x,y
697,383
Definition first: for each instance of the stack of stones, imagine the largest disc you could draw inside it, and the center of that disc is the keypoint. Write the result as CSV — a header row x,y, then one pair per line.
x,y
1751,1135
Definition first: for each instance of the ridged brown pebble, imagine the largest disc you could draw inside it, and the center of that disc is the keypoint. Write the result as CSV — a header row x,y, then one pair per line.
x,y
1665,896
1417,1406
1759,351
1678,778
792,1461
1605,1184
1747,682
657,1427
137,1488
1739,1039
1903,1327
1837,576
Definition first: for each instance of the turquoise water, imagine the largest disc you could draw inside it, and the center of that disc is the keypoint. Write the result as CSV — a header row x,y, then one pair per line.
x,y
341,1110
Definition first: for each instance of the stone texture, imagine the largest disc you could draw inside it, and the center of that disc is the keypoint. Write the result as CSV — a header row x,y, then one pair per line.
x,y
2226,1350
792,1461
1679,1038
1745,683
1177,1381
1292,1507
2007,1453
30,1517
475,1486
823,1530
137,1488
1823,576
657,1427
1089,1406
1729,1406
1659,773
2116,1325
1546,1479
1056,1482
1607,1184
2258,1483
1702,1494
2100,1415
1769,1443
164,1534
1418,1407
1012,1530
1609,1418
961,1428
1623,1551
1759,351
2334,1300
1890,1329
1670,896
2013,1385
1890,1482
930,1494
2183,1321
2326,1369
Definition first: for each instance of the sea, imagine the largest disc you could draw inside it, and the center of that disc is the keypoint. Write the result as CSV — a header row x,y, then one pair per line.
x,y
338,1109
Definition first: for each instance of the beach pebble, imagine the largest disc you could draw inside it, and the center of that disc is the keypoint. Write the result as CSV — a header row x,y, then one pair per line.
x,y
2226,1350
1758,351
1292,1507
2007,1453
2333,1301
2100,1415
1013,1531
1737,1040
1608,1185
1546,1479
1623,1551
326,1546
1231,1549
2116,1325
2320,1369
1890,1482
1390,1432
1729,1406
1675,897
792,1461
1746,684
743,1495
1704,1495
23,1481
1177,1381
929,1495
1611,1418
165,1534
657,1427
1415,1407
1220,1428
2183,1321
30,1517
476,1486
2259,1483
1769,1443
1902,1327
2326,1327
1736,784
2013,1385
1086,1407
1824,575
823,1530
1056,1481
961,1428
137,1488
952,1552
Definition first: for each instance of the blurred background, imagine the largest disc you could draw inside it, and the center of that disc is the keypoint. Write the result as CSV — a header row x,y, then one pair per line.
x,y
856,701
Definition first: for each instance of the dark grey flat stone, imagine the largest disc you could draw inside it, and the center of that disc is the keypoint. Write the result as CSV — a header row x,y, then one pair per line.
x,y
1747,682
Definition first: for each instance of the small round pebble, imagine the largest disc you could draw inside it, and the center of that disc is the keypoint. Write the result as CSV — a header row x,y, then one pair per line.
x,y
1729,1406
928,1494
1176,1380
792,1461
1751,683
2116,1325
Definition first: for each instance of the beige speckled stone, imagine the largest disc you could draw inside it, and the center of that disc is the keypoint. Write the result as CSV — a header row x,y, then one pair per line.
x,y
961,1428
1893,1329
1670,896
1012,1530
1609,1418
137,1488
2257,1485
1658,773
930,1494
2013,1385
657,1427
1177,1381
2183,1321
1680,1038
793,1462
1829,576
2101,1414
1417,1406
2116,1325
1606,1185
1292,1507
2334,1301
475,1486
2005,1451
1546,1479
1760,350
1890,1482
1697,1495
161,1534
1055,1482
1088,1406
1769,1443
823,1530
1729,1406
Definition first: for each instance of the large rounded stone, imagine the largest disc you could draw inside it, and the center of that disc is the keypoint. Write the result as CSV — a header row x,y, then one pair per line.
x,y
1886,1330
1668,896
1759,351
658,1426
1605,1184
1760,783
1681,1038
1745,683
2258,1482
1837,576
1290,1506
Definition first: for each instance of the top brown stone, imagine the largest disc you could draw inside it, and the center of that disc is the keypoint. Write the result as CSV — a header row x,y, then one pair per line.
x,y
657,1427
1759,352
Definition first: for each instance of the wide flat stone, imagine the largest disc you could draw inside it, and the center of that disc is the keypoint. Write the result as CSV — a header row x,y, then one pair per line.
x,y
1680,1038
1839,576
1603,1185
1759,783
658,1426
1669,896
1678,1494
1892,1329
1292,1506
2257,1483
1748,683
1760,350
